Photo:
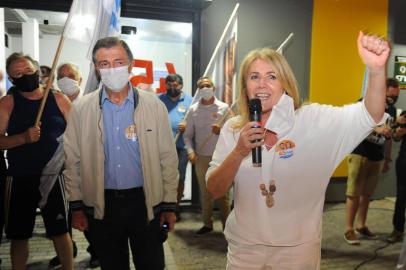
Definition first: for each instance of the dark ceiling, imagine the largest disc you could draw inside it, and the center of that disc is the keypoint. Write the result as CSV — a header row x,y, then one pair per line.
x,y
172,10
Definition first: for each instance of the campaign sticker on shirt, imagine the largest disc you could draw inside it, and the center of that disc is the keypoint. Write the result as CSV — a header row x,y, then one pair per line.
x,y
181,108
214,115
130,133
285,149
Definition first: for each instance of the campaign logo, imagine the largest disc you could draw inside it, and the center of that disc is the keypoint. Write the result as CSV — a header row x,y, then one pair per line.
x,y
285,149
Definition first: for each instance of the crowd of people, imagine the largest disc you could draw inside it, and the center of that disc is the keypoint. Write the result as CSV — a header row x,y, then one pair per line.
x,y
120,153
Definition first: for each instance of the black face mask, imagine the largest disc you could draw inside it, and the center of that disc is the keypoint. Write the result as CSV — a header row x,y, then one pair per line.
x,y
27,83
173,92
390,100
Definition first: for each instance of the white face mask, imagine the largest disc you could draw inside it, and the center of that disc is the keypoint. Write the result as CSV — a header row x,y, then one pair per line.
x,y
115,78
206,93
68,86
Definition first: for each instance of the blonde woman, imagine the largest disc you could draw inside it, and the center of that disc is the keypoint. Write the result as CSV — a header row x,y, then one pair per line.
x,y
276,220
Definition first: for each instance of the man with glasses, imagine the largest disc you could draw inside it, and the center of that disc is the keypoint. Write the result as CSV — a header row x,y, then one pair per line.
x,y
120,166
29,149
177,102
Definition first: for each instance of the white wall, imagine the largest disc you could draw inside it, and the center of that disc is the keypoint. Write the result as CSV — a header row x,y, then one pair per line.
x,y
180,54
72,51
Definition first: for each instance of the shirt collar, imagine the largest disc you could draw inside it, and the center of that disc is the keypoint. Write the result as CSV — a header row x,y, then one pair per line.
x,y
282,118
129,98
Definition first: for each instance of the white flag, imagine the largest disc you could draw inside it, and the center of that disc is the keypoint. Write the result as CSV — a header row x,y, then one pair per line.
x,y
90,20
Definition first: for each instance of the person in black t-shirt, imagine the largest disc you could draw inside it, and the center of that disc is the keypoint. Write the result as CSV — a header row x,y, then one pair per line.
x,y
365,163
399,214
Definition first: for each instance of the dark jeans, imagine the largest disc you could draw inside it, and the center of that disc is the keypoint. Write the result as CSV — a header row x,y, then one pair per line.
x,y
125,220
399,214
182,165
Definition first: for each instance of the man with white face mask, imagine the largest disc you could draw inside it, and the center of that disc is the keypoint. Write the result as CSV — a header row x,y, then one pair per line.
x,y
69,80
200,137
121,165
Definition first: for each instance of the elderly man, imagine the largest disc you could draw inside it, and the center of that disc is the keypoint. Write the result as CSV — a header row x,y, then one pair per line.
x,y
121,165
69,80
29,149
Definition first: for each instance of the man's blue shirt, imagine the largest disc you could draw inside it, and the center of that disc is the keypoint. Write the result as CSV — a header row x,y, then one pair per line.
x,y
177,111
122,165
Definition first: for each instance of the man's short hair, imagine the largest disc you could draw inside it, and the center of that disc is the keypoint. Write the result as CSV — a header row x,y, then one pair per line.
x,y
204,78
45,70
18,56
392,82
109,42
174,78
73,66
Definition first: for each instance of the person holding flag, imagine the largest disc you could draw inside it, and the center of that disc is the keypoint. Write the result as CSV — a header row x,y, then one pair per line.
x,y
29,150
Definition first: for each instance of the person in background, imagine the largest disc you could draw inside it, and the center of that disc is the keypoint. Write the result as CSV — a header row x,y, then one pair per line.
x,y
121,165
3,174
365,164
201,134
2,90
398,219
276,220
44,75
69,79
29,149
177,103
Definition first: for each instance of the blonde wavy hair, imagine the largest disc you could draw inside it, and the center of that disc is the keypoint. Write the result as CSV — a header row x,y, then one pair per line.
x,y
283,73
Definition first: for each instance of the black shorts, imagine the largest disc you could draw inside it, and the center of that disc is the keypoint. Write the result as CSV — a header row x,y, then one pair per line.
x,y
22,198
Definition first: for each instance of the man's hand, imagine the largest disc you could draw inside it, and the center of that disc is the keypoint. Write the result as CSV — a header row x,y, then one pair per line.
x,y
169,217
79,220
192,157
32,135
182,127
215,128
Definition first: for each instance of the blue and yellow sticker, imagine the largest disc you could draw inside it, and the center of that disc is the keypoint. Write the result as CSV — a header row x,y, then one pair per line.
x,y
285,149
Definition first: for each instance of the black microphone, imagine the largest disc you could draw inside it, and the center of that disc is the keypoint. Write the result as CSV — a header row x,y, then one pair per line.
x,y
255,109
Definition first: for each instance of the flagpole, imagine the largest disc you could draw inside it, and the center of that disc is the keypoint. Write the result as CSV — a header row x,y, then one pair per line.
x,y
280,49
51,75
223,35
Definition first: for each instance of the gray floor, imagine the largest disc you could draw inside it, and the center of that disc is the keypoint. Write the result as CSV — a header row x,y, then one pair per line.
x,y
184,251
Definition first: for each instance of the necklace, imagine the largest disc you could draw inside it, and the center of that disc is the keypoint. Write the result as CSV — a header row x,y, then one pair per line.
x,y
268,191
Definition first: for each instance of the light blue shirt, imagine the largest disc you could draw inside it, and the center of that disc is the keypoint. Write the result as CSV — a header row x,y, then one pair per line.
x,y
122,165
177,111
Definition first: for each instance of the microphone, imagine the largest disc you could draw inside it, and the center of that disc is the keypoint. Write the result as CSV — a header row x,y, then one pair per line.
x,y
255,109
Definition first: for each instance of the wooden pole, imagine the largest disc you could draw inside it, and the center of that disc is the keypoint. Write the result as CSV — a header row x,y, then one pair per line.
x,y
51,75
49,83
